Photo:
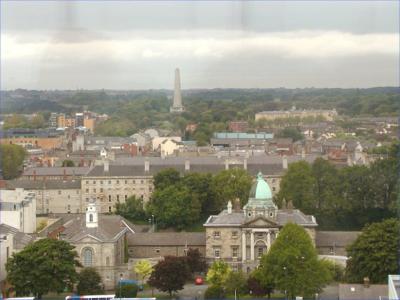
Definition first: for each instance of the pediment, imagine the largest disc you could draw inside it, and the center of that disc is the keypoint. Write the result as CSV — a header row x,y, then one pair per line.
x,y
260,222
87,238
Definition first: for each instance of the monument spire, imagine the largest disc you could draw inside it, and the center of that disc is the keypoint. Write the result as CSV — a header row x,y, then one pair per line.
x,y
177,104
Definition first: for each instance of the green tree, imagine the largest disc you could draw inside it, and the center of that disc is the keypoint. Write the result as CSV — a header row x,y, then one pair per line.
x,y
89,282
201,185
11,160
374,254
214,292
38,121
325,184
166,178
170,274
218,272
132,209
68,163
292,264
292,133
45,266
297,185
174,206
15,121
143,268
236,281
231,184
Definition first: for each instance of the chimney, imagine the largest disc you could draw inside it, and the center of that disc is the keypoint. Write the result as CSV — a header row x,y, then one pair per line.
x,y
226,164
236,205
245,164
187,165
229,207
106,166
284,162
146,166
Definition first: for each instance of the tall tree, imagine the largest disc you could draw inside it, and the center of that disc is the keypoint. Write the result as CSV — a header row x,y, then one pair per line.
x,y
201,185
297,185
375,253
45,266
132,209
231,184
174,206
11,160
292,264
325,184
170,274
89,282
166,178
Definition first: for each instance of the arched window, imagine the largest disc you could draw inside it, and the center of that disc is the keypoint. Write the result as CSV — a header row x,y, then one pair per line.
x,y
87,257
90,218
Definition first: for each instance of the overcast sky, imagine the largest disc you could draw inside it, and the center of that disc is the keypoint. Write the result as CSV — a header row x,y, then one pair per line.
x,y
260,44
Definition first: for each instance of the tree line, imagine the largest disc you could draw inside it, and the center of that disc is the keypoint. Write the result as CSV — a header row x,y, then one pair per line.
x,y
343,198
182,202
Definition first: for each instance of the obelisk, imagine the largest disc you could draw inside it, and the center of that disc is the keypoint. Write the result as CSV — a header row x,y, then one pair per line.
x,y
177,106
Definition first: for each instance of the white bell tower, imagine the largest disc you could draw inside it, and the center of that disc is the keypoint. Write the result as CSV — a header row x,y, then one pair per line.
x,y
92,215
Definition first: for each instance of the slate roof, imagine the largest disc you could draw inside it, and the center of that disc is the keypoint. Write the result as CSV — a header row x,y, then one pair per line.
x,y
20,239
337,238
56,171
109,228
134,166
44,184
237,218
168,239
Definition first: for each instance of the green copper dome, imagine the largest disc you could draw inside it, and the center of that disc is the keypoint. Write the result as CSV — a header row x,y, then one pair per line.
x,y
260,189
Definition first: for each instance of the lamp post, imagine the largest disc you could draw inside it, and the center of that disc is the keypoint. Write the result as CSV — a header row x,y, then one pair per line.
x,y
121,276
285,269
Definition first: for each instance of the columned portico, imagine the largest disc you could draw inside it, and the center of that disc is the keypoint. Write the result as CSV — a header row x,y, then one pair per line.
x,y
252,245
252,229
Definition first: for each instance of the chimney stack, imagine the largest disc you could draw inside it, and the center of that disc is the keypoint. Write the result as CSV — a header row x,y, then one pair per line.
x,y
245,164
284,162
187,165
106,166
146,165
229,207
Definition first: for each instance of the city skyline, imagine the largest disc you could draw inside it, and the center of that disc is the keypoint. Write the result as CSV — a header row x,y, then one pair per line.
x,y
136,45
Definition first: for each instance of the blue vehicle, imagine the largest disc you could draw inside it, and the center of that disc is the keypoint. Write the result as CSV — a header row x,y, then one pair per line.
x,y
123,282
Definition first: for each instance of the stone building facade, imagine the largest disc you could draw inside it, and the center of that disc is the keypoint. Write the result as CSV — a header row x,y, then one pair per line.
x,y
241,236
53,196
101,241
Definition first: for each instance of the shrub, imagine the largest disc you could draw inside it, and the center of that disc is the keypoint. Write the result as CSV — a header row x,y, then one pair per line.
x,y
214,292
126,291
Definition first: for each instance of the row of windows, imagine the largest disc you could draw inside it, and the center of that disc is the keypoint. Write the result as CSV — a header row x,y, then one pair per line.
x,y
235,251
142,181
101,190
217,234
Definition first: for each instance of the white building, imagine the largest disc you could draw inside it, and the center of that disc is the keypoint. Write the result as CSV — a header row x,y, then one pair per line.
x,y
169,146
157,141
18,209
11,241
